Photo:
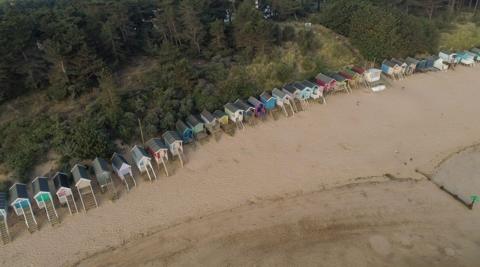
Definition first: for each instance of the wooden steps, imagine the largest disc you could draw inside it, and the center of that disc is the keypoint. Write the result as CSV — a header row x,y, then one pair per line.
x,y
88,198
5,235
32,225
72,204
51,214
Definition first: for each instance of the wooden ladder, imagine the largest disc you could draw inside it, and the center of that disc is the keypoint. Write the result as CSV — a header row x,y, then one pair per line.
x,y
71,204
32,224
88,199
4,231
52,214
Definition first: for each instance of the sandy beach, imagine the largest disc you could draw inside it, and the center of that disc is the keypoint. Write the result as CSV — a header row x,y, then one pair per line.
x,y
336,184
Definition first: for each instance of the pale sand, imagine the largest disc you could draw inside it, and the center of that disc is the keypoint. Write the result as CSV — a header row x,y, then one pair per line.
x,y
273,194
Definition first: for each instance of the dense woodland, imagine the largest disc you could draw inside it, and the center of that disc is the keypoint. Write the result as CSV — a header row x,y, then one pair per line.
x,y
62,51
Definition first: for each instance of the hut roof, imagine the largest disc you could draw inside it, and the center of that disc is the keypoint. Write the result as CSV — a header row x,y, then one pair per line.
x,y
156,145
60,179
219,114
337,77
231,107
138,153
324,78
171,137
390,63
193,121
118,160
399,62
3,201
290,88
181,126
299,85
40,184
278,93
308,83
242,105
100,166
207,116
18,190
411,60
255,102
358,70
80,172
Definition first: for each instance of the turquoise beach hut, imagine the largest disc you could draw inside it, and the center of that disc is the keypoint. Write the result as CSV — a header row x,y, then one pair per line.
x,y
44,199
269,101
5,234
185,132
20,203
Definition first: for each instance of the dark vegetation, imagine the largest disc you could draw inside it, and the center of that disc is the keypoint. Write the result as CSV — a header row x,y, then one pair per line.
x,y
80,53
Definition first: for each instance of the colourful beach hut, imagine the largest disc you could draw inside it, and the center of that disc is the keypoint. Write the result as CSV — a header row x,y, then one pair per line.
x,y
466,59
43,197
83,183
248,111
4,232
235,114
474,55
224,122
438,64
391,69
64,192
143,161
373,79
411,65
185,132
283,101
123,169
260,110
341,84
294,94
449,58
305,91
175,144
20,203
211,123
476,51
269,101
327,82
197,126
422,65
102,173
403,65
317,91
159,151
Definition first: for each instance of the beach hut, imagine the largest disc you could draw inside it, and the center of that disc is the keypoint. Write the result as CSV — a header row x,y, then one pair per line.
x,y
341,84
248,111
43,197
305,91
20,203
422,65
411,65
5,234
403,65
449,58
466,59
64,192
373,78
83,183
224,122
269,101
211,122
175,144
474,55
328,83
235,114
102,173
197,126
317,91
185,132
283,101
260,110
391,69
123,169
294,94
351,77
159,151
143,161
438,63
476,51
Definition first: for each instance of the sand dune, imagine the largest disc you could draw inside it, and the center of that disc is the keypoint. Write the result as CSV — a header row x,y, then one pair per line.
x,y
357,137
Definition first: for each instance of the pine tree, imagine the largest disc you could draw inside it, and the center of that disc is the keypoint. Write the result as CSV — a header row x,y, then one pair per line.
x,y
193,29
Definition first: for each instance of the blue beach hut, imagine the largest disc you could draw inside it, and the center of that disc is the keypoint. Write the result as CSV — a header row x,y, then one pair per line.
x,y
269,101
20,203
185,132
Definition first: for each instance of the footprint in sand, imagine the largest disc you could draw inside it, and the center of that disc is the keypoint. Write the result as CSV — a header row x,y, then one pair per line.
x,y
380,245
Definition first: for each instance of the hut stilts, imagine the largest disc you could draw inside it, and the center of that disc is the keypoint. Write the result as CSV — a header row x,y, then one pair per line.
x,y
64,192
4,232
